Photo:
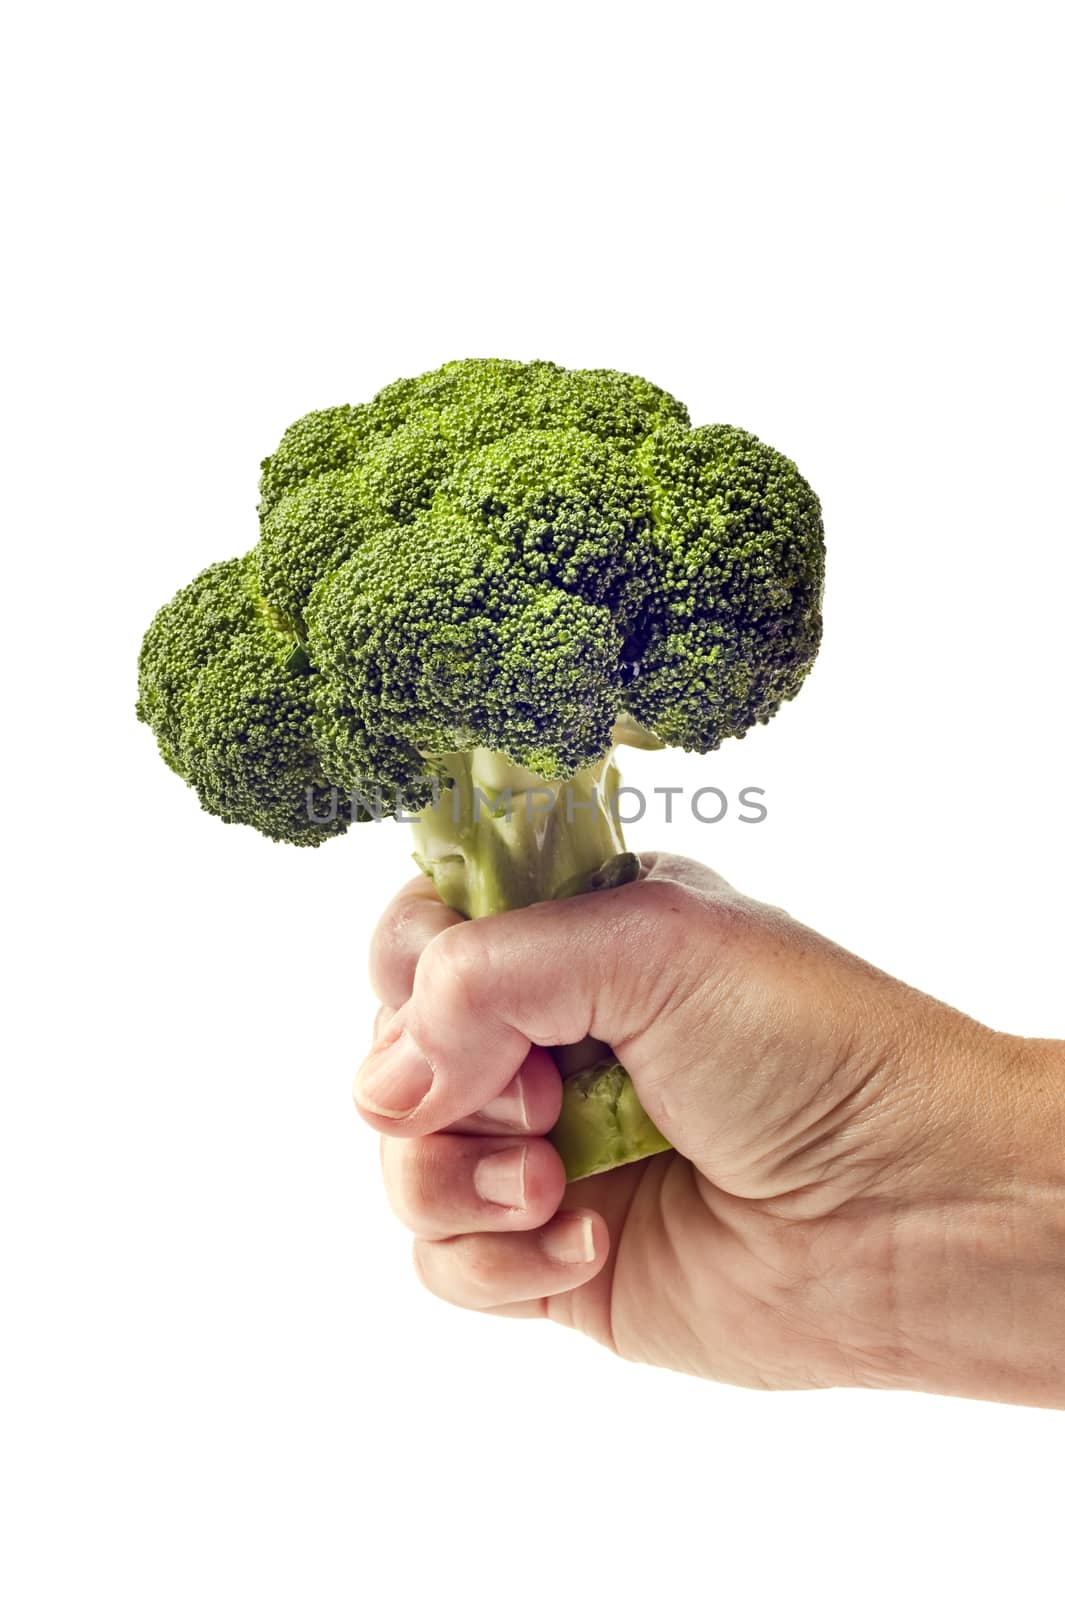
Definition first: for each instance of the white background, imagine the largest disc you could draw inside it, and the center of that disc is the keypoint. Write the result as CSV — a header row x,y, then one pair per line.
x,y
837,226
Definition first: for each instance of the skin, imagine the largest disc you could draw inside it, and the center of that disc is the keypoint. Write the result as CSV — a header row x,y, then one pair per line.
x,y
867,1189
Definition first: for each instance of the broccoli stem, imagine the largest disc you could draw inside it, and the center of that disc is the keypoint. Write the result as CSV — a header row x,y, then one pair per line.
x,y
499,837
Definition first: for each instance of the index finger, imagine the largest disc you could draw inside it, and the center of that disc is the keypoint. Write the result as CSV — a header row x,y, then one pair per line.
x,y
410,921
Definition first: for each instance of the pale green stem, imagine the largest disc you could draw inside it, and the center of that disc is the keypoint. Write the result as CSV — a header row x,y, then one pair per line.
x,y
498,838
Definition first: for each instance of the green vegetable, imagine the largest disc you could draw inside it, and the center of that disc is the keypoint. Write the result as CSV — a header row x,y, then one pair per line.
x,y
466,593
602,1124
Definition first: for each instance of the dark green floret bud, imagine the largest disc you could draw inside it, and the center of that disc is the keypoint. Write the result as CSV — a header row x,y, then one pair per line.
x,y
232,717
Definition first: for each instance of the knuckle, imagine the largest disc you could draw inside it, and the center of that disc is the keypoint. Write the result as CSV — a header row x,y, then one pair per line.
x,y
666,899
391,949
403,928
455,965
430,1176
479,1266
429,1182
707,916
393,1162
420,1258
418,1179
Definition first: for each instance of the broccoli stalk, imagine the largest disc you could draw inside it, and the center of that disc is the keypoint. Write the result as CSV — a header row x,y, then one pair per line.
x,y
500,837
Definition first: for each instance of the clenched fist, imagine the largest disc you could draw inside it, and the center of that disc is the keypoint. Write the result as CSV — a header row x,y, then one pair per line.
x,y
866,1187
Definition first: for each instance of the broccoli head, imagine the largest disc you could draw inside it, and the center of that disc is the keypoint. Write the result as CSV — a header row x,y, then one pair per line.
x,y
478,583
497,554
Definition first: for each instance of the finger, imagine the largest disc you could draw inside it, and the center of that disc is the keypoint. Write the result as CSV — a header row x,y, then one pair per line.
x,y
449,1183
606,964
529,1103
410,920
490,1271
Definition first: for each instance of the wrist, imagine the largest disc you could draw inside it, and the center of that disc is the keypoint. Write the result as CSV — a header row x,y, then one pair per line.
x,y
975,1265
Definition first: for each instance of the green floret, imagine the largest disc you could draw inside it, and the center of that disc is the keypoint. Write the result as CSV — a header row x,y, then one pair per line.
x,y
475,402
311,531
466,593
561,508
496,619
735,620
471,402
341,475
440,635
610,405
401,476
231,707
186,633
322,441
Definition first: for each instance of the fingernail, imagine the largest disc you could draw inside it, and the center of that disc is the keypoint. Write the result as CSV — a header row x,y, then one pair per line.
x,y
508,1109
569,1241
393,1081
500,1178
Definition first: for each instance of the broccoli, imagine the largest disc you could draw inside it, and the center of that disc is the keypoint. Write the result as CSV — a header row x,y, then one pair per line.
x,y
465,595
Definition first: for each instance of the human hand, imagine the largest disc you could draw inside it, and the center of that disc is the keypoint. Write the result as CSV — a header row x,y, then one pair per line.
x,y
866,1187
